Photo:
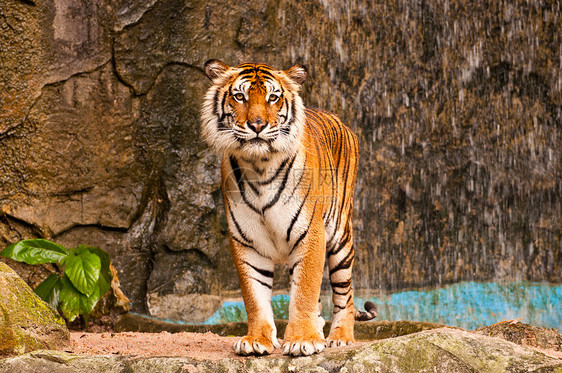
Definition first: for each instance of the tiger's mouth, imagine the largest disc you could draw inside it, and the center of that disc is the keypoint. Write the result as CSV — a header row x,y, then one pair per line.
x,y
258,140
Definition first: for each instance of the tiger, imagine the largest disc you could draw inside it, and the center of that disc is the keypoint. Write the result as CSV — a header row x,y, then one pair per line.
x,y
288,178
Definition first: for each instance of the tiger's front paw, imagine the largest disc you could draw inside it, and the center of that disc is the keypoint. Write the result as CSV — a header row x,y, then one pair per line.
x,y
249,345
303,346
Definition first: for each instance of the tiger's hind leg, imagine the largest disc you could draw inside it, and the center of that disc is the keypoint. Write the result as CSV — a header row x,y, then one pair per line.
x,y
340,263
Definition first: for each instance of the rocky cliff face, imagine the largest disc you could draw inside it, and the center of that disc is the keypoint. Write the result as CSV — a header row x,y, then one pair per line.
x,y
458,108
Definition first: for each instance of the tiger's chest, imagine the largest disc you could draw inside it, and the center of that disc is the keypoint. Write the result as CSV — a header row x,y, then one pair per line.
x,y
267,203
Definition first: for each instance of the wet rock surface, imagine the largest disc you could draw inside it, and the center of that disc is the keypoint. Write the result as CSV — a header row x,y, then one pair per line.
x,y
26,322
457,106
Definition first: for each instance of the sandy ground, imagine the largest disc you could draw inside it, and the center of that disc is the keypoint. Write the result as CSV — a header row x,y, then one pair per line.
x,y
204,346
207,346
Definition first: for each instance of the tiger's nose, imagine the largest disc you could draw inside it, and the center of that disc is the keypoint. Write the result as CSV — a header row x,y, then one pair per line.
x,y
257,126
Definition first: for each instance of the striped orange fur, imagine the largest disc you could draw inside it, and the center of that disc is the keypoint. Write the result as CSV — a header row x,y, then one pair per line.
x,y
288,178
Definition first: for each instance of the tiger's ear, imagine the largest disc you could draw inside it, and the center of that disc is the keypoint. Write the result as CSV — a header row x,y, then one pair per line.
x,y
297,74
215,68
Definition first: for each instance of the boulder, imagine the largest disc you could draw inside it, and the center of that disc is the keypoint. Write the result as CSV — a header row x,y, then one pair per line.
x,y
438,350
525,335
26,322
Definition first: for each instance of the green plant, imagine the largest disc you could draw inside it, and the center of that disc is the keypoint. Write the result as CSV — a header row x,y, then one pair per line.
x,y
84,278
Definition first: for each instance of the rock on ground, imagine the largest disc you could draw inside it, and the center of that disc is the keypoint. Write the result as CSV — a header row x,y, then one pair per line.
x,y
525,335
438,350
26,322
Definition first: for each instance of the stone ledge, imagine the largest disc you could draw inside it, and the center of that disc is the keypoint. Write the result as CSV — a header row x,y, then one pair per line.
x,y
443,350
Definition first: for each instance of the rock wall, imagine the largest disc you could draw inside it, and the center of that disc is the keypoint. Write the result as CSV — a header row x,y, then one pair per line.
x,y
457,105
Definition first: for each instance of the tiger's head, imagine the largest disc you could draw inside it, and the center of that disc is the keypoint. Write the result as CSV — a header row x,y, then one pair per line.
x,y
253,110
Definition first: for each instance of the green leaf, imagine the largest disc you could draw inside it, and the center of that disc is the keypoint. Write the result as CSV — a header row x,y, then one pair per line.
x,y
106,277
83,269
35,251
49,290
74,303
69,299
87,303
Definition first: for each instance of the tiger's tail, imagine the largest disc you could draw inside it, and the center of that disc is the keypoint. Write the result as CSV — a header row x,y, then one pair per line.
x,y
369,313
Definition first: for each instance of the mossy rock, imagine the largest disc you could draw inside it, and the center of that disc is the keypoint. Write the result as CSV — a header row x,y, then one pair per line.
x,y
27,323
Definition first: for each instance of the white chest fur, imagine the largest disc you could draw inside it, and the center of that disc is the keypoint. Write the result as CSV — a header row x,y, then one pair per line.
x,y
266,203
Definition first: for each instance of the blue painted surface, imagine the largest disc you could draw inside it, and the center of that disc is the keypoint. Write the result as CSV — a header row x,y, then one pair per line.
x,y
467,305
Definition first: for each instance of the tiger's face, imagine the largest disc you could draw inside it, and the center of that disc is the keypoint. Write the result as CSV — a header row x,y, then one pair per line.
x,y
253,110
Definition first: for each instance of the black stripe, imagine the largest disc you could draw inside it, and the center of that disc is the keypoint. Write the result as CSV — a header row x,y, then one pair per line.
x,y
292,269
240,183
332,209
344,307
255,70
303,234
243,244
238,227
300,179
262,272
293,112
223,104
346,169
261,282
345,263
237,173
294,220
216,103
338,293
282,187
277,172
342,284
342,243
253,187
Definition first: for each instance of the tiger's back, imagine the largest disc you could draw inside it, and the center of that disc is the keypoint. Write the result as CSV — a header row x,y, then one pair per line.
x,y
288,178
337,149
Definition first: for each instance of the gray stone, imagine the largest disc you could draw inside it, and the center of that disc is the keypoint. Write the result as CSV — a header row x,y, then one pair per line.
x,y
26,322
441,350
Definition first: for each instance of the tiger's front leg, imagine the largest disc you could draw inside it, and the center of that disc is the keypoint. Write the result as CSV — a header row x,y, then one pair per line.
x,y
302,336
256,281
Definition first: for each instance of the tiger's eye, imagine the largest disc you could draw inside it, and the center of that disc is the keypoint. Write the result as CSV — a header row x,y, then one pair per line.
x,y
239,97
273,98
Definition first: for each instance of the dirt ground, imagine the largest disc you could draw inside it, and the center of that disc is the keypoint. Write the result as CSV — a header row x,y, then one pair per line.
x,y
204,346
207,346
